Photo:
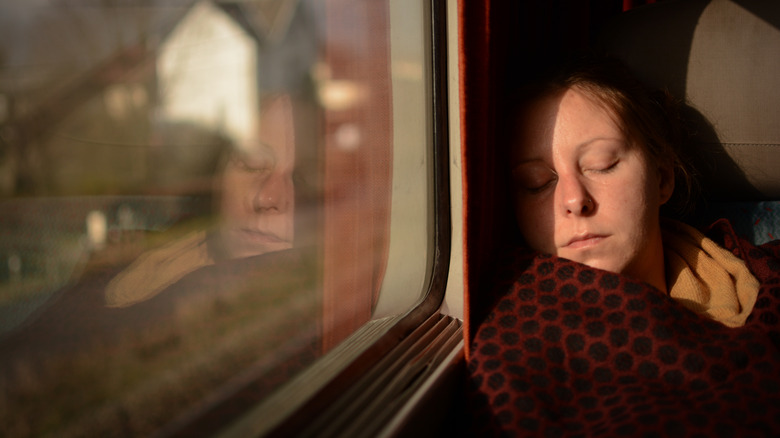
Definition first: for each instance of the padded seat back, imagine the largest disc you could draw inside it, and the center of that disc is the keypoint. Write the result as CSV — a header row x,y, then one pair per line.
x,y
723,56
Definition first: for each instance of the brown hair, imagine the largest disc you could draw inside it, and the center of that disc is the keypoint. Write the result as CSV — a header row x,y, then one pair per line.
x,y
650,118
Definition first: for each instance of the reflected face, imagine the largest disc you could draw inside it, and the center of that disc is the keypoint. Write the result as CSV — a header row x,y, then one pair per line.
x,y
584,191
257,202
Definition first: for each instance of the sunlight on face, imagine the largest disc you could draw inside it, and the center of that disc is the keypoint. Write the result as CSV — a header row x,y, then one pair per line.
x,y
257,202
584,191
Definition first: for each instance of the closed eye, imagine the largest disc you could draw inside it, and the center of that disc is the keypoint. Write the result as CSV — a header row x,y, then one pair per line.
x,y
538,188
603,169
259,163
534,179
254,168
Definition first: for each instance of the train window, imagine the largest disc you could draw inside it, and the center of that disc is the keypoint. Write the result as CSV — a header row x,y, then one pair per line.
x,y
205,204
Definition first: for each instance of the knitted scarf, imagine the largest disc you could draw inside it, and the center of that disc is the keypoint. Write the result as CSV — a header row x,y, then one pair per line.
x,y
706,278
155,270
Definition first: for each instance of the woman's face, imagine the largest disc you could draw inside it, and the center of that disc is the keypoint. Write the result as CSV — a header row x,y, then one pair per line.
x,y
257,203
584,191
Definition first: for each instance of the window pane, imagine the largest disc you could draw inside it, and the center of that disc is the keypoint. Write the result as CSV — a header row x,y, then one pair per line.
x,y
199,199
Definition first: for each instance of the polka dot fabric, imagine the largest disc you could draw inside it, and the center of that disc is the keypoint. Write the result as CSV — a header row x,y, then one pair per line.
x,y
570,350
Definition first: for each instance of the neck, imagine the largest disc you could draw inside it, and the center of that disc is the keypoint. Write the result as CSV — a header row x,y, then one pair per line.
x,y
652,270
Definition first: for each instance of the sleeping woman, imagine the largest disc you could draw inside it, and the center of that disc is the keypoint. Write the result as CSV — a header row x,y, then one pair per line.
x,y
614,320
595,161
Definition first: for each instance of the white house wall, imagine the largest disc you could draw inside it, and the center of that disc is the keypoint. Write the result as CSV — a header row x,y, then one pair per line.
x,y
207,74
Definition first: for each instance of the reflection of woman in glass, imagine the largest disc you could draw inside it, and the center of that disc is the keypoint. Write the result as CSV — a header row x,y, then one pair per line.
x,y
230,299
257,198
256,206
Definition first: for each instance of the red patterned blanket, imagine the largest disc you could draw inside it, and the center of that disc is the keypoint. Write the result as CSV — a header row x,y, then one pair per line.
x,y
568,350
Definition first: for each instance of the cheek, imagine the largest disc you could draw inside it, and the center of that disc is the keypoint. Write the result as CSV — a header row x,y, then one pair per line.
x,y
643,196
288,192
536,223
233,196
632,208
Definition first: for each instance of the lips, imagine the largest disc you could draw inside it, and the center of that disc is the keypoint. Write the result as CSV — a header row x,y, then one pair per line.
x,y
247,242
258,236
584,241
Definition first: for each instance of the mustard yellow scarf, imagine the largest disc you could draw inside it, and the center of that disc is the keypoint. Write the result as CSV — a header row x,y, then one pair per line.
x,y
706,278
155,270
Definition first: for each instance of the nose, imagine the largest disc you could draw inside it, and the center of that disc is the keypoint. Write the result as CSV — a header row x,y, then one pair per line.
x,y
273,195
573,197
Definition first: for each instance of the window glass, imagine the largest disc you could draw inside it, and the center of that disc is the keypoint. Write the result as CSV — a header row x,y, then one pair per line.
x,y
199,199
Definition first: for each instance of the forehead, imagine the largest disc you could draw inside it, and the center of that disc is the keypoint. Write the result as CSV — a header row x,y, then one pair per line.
x,y
565,119
275,135
258,150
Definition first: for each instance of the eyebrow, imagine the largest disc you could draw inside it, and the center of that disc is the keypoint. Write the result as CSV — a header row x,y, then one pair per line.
x,y
580,146
595,139
258,150
528,161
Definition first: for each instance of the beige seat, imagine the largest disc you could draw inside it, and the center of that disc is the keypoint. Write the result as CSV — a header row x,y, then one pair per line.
x,y
724,57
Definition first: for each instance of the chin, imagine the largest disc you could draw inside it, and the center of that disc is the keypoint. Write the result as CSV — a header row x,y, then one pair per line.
x,y
244,251
605,265
606,258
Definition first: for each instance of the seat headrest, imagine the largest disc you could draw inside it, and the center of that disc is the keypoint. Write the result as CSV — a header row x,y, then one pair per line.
x,y
723,57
